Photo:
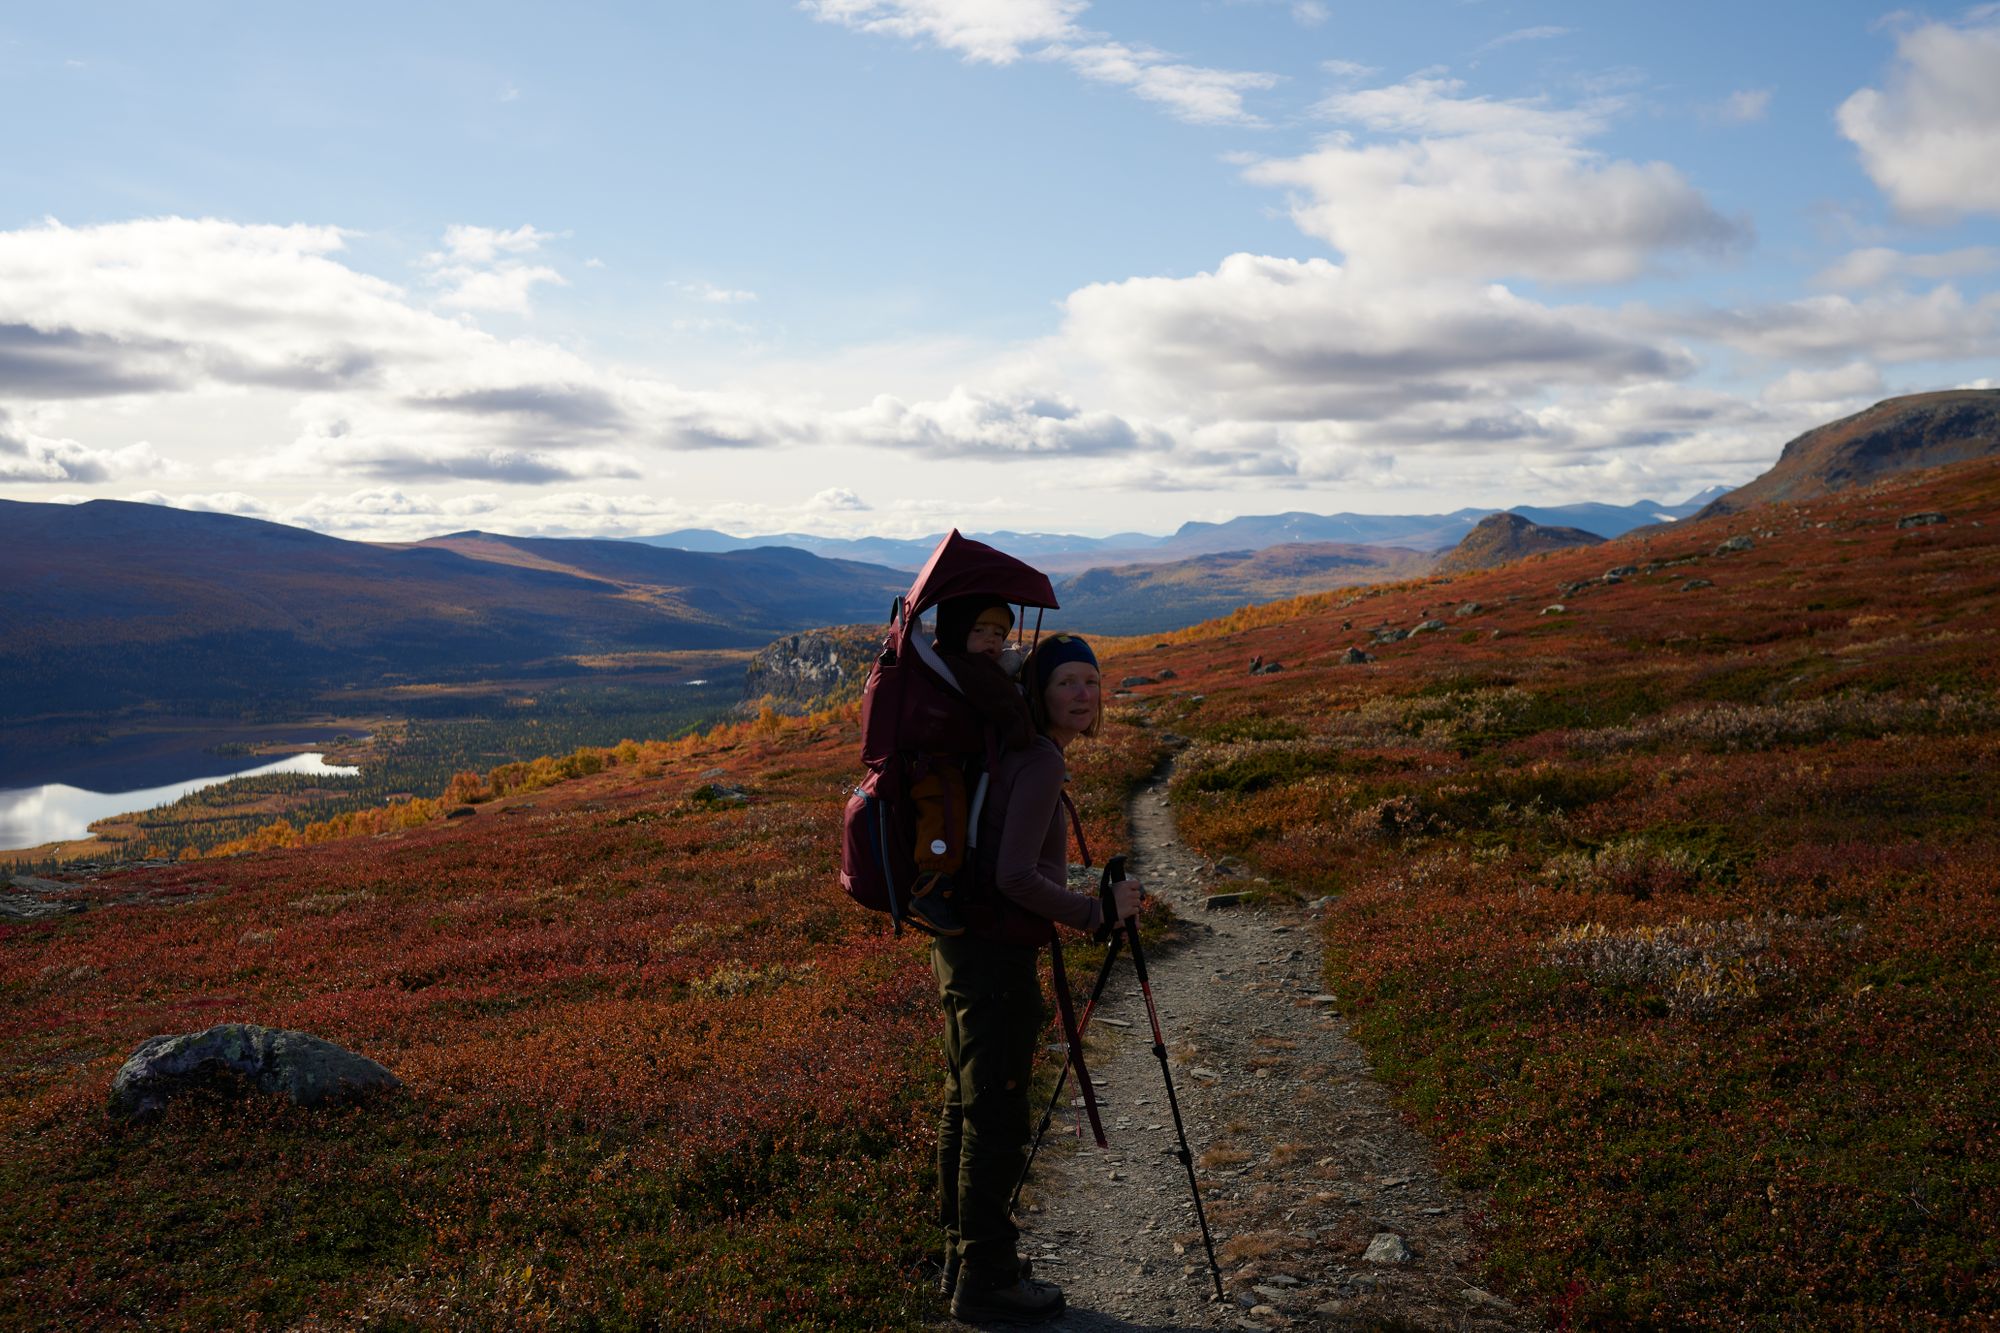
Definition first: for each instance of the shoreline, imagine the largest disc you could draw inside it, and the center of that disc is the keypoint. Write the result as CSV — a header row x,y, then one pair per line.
x,y
348,742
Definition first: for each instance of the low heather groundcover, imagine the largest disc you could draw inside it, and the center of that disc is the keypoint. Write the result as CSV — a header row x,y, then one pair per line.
x,y
1672,915
658,1070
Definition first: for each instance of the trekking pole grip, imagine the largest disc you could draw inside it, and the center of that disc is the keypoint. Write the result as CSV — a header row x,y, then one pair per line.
x,y
1114,871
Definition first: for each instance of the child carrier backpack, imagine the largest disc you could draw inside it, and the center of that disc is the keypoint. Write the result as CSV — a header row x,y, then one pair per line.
x,y
915,717
916,813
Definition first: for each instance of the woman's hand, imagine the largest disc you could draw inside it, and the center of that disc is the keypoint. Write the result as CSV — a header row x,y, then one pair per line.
x,y
1128,895
1117,903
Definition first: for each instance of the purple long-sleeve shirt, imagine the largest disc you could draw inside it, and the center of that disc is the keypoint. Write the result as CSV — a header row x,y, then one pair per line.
x,y
1032,864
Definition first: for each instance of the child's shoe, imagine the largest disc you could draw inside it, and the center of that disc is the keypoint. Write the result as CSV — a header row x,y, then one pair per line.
x,y
931,908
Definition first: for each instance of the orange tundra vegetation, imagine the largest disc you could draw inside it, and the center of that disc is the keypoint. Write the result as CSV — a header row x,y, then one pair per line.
x,y
659,1070
1667,898
1671,916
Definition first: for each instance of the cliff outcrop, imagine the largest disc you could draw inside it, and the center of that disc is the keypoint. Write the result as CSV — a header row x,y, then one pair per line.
x,y
811,670
1919,430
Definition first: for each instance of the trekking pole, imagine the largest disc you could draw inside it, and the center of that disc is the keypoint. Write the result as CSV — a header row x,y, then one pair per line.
x,y
1113,871
1173,1102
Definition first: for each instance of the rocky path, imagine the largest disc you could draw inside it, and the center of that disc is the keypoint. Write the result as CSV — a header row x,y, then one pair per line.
x,y
1306,1169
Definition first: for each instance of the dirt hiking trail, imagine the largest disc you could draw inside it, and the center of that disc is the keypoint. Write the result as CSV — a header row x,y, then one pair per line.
x,y
1302,1159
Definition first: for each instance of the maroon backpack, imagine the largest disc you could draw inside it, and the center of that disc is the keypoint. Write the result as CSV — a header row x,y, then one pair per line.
x,y
914,714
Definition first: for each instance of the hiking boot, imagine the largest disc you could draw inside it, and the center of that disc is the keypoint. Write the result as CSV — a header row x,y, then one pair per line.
x,y
931,908
948,1279
1025,1300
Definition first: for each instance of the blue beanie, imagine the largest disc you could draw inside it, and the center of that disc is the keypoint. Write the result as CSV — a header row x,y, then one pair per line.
x,y
1057,650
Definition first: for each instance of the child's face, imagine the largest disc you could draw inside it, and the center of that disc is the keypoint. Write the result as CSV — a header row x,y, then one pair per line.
x,y
989,633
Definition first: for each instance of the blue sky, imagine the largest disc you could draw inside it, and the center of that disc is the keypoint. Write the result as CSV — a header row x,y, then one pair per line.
x,y
887,265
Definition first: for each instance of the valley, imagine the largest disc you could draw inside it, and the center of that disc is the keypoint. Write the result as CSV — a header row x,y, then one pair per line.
x,y
406,740
115,607
1654,879
543,551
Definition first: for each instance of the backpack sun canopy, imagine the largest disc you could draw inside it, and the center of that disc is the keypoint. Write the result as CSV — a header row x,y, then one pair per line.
x,y
961,567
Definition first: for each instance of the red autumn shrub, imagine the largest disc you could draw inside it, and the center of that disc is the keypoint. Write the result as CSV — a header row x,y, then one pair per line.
x,y
1673,919
658,1070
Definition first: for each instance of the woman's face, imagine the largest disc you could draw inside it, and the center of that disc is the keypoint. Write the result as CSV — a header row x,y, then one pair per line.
x,y
1073,697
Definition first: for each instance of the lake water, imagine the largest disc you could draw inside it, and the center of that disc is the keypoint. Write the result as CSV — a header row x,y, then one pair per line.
x,y
31,816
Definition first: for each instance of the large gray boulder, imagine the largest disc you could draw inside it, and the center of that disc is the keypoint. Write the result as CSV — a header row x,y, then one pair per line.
x,y
304,1069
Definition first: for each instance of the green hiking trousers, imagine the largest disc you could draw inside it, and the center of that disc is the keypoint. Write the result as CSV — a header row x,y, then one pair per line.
x,y
993,1017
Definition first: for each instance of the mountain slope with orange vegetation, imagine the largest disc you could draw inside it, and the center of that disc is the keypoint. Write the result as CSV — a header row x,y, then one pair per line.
x,y
1919,430
1670,916
1147,598
658,1071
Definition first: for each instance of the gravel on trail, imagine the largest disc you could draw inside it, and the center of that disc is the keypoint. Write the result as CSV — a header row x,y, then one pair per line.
x,y
1306,1168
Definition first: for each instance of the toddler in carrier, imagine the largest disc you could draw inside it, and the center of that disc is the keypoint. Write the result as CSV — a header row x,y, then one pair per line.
x,y
972,635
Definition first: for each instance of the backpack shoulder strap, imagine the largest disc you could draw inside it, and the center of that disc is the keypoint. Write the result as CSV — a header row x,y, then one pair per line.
x,y
1082,845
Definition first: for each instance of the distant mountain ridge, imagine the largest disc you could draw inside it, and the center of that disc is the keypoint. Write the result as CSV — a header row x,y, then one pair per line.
x,y
1158,598
111,604
1422,532
757,593
1068,553
1895,435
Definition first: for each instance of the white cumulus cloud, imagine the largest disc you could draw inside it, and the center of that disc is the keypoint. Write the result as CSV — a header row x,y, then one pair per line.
x,y
1194,93
1742,107
714,295
393,513
999,32
1877,266
1541,32
1486,188
507,289
487,245
838,500
214,502
376,385
27,456
1941,324
480,268
1430,104
1853,380
993,31
971,423
1659,440
1930,138
1265,338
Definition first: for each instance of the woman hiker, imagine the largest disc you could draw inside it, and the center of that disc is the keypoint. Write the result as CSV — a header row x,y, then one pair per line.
x,y
991,992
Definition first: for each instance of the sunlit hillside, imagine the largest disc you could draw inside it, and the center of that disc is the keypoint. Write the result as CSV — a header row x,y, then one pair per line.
x,y
1665,900
114,605
659,1070
1669,902
1144,599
